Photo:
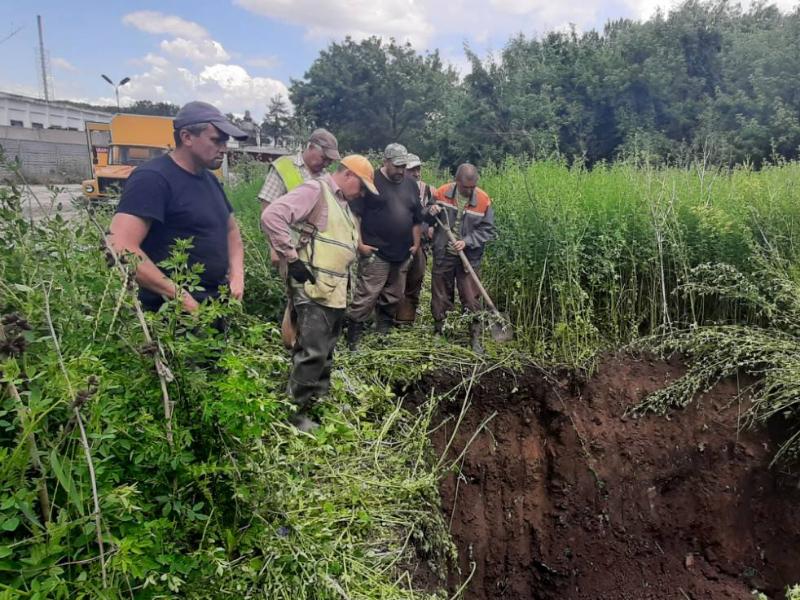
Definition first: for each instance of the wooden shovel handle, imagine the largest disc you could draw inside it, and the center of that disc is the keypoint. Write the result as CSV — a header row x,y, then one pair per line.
x,y
468,267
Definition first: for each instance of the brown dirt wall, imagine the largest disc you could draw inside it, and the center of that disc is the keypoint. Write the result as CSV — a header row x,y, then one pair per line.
x,y
568,496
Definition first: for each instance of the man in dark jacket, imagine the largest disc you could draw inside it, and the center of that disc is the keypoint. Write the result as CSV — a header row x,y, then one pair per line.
x,y
466,210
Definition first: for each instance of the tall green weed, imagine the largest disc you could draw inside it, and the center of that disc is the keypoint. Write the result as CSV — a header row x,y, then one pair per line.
x,y
224,501
587,260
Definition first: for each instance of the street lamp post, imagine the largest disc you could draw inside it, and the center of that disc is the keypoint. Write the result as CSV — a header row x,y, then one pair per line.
x,y
116,86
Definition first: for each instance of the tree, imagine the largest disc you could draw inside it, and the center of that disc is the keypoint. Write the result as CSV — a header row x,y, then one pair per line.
x,y
275,128
148,107
372,93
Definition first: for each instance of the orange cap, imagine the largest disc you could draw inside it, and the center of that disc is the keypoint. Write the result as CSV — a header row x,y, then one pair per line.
x,y
363,169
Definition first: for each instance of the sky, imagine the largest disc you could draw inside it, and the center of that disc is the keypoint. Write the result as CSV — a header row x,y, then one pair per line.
x,y
238,54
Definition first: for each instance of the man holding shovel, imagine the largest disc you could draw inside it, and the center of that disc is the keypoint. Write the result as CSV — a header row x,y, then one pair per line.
x,y
466,211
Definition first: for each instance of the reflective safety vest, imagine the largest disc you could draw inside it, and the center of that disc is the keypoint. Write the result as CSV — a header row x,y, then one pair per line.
x,y
329,253
288,172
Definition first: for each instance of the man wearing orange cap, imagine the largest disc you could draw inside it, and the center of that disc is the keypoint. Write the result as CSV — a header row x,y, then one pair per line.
x,y
313,229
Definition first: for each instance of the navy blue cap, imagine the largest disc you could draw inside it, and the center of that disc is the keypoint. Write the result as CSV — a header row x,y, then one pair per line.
x,y
203,112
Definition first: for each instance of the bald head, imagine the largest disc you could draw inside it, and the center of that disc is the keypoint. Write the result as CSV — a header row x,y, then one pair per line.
x,y
467,173
466,180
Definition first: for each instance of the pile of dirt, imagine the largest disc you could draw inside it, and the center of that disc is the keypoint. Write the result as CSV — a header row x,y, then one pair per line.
x,y
564,496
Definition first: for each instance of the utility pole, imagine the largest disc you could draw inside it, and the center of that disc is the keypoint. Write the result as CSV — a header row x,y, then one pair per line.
x,y
43,60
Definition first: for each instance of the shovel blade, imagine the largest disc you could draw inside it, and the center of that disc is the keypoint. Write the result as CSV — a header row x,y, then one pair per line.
x,y
502,330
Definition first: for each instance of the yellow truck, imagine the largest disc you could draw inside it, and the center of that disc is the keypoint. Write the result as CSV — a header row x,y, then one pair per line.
x,y
118,147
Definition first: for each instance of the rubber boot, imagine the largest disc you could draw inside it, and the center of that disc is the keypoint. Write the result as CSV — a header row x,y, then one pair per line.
x,y
354,331
475,331
303,423
383,322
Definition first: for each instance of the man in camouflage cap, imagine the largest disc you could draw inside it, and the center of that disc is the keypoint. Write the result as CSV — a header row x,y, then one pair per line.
x,y
407,311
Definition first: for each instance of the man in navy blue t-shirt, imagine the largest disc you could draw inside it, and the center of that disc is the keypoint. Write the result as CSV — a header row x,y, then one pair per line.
x,y
176,196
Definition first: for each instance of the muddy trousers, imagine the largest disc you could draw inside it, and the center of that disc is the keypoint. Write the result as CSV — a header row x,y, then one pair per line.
x,y
407,311
380,286
318,327
447,274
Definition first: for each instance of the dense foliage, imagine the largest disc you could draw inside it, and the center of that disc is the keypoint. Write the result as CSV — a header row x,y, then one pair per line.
x,y
708,77
372,93
594,258
103,496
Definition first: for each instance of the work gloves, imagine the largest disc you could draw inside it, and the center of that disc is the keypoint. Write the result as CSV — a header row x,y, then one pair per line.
x,y
299,272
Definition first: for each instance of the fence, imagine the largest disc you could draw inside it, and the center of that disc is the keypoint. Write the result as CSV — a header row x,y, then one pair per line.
x,y
48,156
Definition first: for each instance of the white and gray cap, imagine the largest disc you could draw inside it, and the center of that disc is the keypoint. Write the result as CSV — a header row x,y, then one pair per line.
x,y
413,161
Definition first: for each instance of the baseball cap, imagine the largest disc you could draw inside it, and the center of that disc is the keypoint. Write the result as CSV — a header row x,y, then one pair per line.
x,y
413,161
361,167
196,112
396,154
327,141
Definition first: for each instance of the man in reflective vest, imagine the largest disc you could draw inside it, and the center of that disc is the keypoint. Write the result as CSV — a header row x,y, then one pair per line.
x,y
467,211
287,172
318,270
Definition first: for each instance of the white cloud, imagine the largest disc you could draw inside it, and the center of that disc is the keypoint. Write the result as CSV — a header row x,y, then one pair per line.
x,y
62,63
644,9
229,87
151,21
155,60
423,22
199,51
190,65
401,19
265,62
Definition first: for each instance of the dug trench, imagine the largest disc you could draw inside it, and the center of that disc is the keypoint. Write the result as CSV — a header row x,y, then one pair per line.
x,y
568,495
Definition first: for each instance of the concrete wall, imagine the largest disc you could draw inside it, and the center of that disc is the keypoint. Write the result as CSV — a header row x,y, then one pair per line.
x,y
48,156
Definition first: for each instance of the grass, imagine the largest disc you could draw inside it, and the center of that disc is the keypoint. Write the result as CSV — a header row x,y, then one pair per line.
x,y
235,504
588,260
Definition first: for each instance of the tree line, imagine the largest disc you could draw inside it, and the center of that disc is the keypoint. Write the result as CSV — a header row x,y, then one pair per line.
x,y
708,78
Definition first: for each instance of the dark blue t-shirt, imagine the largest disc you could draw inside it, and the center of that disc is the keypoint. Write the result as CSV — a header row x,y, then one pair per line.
x,y
388,219
180,205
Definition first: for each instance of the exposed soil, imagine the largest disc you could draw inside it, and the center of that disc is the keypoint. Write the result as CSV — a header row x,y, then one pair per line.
x,y
562,496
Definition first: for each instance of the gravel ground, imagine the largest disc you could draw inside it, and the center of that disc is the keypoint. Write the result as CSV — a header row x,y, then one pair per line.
x,y
39,202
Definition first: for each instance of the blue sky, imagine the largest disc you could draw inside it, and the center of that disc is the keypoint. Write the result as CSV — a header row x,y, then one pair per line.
x,y
239,53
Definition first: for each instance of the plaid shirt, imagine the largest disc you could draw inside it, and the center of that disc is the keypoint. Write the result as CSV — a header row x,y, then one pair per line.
x,y
273,187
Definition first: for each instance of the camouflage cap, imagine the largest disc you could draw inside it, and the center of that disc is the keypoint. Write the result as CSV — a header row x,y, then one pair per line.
x,y
413,161
396,154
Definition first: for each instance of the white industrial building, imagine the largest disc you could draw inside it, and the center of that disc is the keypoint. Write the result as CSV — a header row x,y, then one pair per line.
x,y
33,113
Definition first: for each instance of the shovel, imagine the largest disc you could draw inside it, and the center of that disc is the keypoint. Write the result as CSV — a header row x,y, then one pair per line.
x,y
502,331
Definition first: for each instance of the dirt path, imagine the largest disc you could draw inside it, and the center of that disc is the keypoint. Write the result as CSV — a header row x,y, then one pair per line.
x,y
564,497
38,201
